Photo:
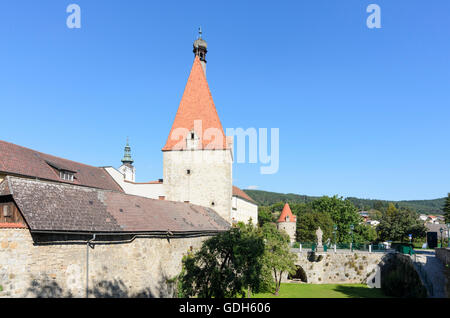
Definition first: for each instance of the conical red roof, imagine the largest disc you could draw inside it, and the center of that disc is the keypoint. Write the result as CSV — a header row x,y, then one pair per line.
x,y
285,213
197,105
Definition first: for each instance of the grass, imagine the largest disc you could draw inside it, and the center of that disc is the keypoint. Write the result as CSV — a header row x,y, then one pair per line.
x,y
293,290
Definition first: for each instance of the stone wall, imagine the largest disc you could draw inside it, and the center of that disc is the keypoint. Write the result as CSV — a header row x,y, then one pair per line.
x,y
290,228
138,268
443,254
337,268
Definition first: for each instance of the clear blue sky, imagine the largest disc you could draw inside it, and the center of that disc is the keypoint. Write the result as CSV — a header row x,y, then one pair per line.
x,y
361,112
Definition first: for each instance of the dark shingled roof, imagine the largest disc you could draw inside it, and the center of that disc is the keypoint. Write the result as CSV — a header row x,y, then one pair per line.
x,y
17,160
51,206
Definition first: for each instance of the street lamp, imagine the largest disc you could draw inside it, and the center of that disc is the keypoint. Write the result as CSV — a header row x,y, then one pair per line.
x,y
441,230
352,227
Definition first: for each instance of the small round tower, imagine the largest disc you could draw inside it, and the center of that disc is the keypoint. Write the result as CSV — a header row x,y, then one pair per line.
x,y
287,222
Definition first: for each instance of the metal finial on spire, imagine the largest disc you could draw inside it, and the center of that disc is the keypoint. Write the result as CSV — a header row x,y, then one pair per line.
x,y
200,32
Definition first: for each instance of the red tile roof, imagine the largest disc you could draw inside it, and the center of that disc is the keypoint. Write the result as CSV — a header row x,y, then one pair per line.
x,y
18,160
52,206
287,212
196,104
12,226
239,193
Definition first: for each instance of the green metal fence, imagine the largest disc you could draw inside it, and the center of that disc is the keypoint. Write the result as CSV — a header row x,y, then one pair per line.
x,y
364,247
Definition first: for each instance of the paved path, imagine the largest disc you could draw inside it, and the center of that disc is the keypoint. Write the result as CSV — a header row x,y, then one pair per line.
x,y
434,271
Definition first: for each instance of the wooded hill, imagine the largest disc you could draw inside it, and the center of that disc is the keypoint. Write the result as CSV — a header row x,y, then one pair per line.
x,y
420,206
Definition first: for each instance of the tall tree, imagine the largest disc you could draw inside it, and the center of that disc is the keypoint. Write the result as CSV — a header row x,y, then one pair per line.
x,y
226,265
342,212
278,258
396,224
447,209
307,224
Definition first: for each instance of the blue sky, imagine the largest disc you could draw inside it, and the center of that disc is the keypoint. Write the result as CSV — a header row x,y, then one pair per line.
x,y
361,112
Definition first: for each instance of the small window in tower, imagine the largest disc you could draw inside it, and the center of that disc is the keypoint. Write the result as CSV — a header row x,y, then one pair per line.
x,y
188,171
192,136
213,203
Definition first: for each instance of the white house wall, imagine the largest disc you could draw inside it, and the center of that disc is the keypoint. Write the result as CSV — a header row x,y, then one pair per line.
x,y
148,190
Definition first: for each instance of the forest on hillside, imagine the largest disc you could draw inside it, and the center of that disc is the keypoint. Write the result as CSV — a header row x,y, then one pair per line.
x,y
420,206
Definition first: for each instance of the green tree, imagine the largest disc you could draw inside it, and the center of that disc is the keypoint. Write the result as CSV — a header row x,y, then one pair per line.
x,y
278,258
396,224
375,214
364,233
307,224
342,212
264,215
446,209
226,265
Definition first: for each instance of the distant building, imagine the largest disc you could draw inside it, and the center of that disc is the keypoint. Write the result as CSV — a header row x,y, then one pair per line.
x,y
373,222
431,227
364,215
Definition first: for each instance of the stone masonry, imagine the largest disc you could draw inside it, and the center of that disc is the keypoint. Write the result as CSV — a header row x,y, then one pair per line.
x,y
139,268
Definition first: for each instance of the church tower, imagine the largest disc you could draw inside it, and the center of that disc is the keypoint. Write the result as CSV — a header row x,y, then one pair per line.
x,y
127,168
197,157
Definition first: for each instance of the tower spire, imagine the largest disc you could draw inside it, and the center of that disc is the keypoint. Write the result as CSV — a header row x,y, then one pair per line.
x,y
200,49
127,154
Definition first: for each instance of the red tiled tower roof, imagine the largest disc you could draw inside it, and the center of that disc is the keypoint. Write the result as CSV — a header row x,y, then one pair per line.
x,y
285,213
196,104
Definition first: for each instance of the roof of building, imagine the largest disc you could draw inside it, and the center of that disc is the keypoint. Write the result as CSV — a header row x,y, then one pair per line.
x,y
51,206
435,227
197,105
18,160
285,213
239,193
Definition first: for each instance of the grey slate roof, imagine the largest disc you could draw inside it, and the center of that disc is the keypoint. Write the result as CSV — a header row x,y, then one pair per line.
x,y
52,206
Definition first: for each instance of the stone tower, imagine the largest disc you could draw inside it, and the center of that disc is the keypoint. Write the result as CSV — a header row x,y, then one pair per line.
x,y
197,157
127,168
287,222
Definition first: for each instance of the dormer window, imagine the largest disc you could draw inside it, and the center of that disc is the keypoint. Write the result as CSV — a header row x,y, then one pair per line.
x,y
66,175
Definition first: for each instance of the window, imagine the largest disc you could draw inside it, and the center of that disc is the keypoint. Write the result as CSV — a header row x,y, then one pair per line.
x,y
65,175
213,203
192,136
188,171
6,211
